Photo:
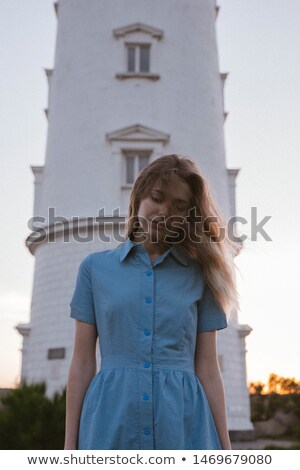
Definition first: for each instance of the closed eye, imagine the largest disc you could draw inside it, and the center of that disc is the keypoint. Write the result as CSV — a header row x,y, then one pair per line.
x,y
179,206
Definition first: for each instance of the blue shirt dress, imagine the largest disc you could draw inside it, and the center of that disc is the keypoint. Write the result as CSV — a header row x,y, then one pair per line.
x,y
146,394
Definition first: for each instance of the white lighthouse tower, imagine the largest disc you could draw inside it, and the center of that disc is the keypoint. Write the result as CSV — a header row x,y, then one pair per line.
x,y
132,80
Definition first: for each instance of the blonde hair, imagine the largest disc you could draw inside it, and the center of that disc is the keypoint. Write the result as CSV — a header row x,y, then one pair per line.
x,y
215,251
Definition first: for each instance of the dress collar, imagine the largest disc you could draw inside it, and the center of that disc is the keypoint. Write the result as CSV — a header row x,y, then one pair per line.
x,y
128,244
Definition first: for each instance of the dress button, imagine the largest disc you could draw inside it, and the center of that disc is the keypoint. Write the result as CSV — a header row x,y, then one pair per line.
x,y
148,300
146,364
148,273
146,397
147,332
147,431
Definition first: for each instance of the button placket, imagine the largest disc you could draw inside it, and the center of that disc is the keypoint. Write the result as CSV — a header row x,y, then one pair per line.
x,y
145,353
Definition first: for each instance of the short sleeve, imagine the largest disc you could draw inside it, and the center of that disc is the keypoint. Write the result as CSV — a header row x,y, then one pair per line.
x,y
210,315
82,303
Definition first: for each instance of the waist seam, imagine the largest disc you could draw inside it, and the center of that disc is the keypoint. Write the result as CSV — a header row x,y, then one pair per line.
x,y
137,368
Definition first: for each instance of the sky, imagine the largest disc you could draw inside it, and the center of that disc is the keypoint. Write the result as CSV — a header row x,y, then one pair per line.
x,y
258,43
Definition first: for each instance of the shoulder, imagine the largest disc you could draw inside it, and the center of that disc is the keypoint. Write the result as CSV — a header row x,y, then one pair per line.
x,y
101,258
196,272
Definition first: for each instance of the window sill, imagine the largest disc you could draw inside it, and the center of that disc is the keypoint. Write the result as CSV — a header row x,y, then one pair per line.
x,y
151,76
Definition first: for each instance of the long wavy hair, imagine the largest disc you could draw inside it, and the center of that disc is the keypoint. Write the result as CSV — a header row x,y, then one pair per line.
x,y
214,250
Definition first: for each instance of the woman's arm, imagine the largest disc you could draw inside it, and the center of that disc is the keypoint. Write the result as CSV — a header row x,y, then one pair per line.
x,y
208,372
82,370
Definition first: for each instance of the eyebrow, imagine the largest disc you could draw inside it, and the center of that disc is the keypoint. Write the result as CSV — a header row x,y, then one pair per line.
x,y
179,200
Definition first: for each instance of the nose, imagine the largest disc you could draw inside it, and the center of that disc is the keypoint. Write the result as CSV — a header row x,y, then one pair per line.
x,y
165,209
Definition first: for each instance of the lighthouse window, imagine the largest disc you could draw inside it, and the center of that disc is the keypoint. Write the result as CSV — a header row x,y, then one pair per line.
x,y
144,58
131,59
134,164
130,170
138,58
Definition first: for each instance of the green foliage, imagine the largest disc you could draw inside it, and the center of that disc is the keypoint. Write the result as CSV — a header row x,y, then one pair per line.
x,y
257,408
31,421
264,407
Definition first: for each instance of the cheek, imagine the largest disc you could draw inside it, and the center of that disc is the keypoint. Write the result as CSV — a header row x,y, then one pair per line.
x,y
146,209
143,214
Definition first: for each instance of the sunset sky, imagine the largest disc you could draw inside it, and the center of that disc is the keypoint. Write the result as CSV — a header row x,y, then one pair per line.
x,y
259,45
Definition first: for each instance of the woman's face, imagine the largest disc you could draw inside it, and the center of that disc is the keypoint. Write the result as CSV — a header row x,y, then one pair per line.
x,y
164,207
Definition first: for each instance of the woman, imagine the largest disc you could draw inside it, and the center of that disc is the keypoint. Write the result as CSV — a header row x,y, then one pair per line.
x,y
156,302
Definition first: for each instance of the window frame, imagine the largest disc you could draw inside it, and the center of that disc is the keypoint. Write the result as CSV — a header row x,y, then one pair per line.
x,y
137,56
136,155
